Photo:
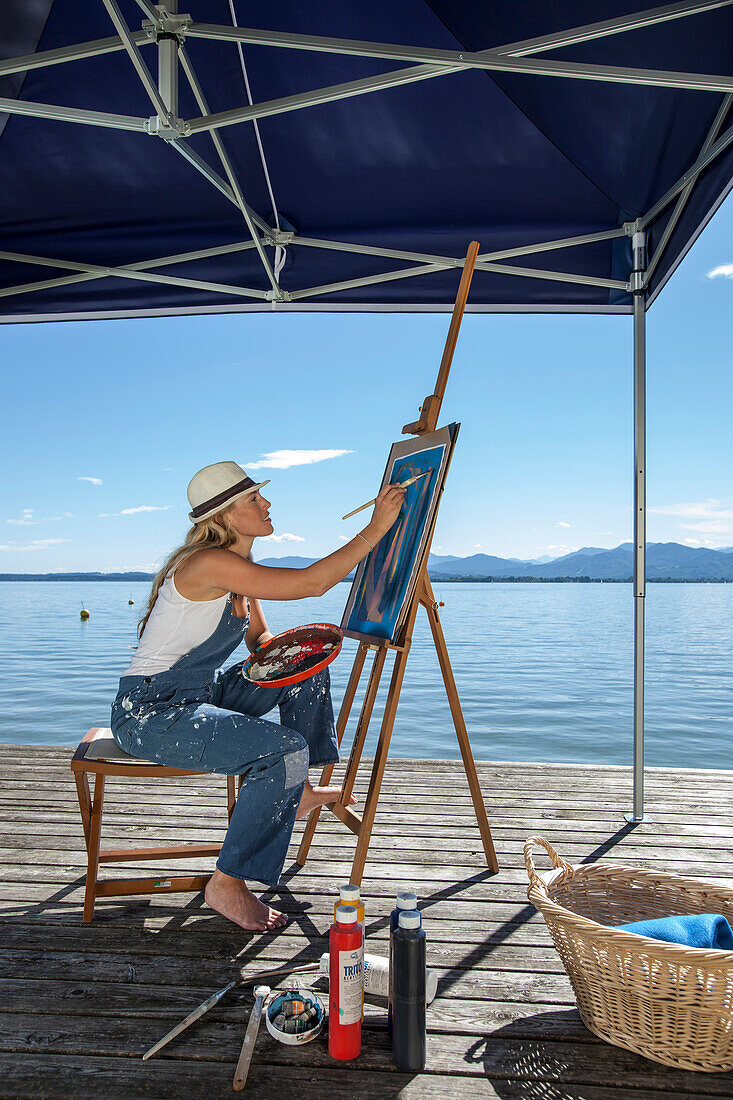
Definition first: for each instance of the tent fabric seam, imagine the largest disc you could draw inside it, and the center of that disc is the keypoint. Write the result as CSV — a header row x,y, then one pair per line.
x,y
614,202
3,126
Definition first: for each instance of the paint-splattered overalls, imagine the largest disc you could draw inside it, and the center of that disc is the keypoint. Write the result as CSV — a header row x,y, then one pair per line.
x,y
190,717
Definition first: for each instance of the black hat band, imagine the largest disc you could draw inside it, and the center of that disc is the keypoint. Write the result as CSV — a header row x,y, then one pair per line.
x,y
222,498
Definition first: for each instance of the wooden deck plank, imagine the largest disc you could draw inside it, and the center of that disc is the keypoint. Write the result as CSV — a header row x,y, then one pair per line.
x,y
71,1078
444,951
475,885
456,851
456,810
402,784
82,1001
459,1056
60,755
412,831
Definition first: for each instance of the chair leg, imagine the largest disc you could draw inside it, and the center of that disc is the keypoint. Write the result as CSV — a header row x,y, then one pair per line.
x,y
85,803
231,796
95,836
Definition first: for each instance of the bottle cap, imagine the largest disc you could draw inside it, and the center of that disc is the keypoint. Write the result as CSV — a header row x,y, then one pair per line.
x,y
346,914
349,893
410,918
407,900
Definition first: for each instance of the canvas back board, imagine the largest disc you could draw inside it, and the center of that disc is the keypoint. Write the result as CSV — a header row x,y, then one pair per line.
x,y
385,580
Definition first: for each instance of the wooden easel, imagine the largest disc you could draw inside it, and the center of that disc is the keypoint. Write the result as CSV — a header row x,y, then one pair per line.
x,y
423,595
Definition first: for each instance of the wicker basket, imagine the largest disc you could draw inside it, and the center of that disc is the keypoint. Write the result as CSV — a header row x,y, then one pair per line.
x,y
669,1003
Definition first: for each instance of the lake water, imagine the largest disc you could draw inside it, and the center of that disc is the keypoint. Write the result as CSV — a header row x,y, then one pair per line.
x,y
544,671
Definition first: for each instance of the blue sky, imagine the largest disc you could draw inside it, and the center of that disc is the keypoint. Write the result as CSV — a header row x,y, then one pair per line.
x,y
105,422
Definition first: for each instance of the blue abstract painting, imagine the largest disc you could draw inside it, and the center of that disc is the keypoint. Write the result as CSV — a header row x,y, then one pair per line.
x,y
385,579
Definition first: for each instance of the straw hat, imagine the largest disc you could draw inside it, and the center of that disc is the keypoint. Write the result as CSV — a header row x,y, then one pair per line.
x,y
217,486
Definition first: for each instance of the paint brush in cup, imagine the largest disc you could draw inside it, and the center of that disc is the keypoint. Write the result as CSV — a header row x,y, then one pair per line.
x,y
401,485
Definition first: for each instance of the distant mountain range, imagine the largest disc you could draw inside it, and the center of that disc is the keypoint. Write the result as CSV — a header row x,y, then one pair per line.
x,y
664,561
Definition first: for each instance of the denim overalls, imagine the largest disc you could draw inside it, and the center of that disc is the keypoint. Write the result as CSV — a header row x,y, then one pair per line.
x,y
192,717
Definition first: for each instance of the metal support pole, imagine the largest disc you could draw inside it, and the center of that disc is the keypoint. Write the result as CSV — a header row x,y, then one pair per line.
x,y
637,286
168,64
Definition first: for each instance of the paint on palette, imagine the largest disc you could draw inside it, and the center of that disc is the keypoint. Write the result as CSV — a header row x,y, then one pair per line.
x,y
294,655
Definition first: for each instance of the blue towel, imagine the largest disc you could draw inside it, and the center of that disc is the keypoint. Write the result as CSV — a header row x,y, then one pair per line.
x,y
694,930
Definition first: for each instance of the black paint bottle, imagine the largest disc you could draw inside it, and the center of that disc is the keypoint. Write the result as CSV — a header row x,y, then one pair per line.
x,y
405,900
408,989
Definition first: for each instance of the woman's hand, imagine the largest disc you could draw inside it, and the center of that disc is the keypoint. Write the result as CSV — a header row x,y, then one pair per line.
x,y
387,507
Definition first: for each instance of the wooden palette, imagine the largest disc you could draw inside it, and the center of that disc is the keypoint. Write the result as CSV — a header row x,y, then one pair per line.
x,y
294,655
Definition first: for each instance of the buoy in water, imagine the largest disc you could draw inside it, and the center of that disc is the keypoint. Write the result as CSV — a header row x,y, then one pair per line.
x,y
130,602
83,614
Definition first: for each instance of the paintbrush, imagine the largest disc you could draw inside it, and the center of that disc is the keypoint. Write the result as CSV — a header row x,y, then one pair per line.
x,y
250,1038
401,485
209,1003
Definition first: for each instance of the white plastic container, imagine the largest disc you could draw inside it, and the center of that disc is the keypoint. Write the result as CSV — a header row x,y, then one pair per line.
x,y
376,976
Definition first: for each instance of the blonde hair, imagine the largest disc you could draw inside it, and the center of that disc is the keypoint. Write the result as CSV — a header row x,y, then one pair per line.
x,y
209,534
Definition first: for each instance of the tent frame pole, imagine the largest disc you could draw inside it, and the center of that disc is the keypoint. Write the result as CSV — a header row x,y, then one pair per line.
x,y
685,194
637,282
168,65
389,51
435,263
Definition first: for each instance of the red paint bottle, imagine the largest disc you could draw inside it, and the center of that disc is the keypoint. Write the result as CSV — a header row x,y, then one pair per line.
x,y
346,995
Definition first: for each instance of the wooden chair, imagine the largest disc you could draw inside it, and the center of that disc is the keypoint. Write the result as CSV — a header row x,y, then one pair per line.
x,y
99,755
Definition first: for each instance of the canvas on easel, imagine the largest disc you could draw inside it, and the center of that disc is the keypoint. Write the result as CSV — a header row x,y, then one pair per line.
x,y
385,580
390,586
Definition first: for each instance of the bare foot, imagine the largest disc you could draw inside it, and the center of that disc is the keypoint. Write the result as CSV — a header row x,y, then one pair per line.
x,y
235,901
318,796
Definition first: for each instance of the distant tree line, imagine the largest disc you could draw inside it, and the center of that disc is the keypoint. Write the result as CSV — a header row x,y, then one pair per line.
x,y
439,578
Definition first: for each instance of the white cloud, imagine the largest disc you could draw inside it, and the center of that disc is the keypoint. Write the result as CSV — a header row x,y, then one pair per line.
x,y
344,538
135,511
282,460
703,509
477,545
697,543
286,536
711,517
710,527
724,271
37,544
145,508
27,518
561,523
91,480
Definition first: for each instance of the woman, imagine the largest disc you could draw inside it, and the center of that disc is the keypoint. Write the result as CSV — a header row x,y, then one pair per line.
x,y
173,707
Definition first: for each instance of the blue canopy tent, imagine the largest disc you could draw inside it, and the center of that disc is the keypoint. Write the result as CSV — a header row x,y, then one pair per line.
x,y
336,156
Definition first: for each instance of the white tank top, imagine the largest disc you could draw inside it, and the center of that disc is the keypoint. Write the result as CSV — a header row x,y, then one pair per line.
x,y
175,627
